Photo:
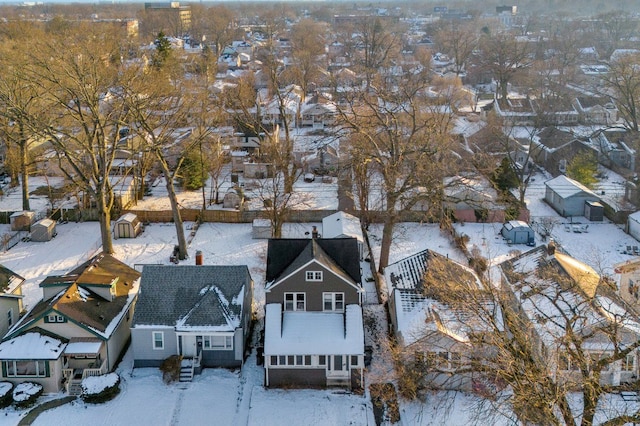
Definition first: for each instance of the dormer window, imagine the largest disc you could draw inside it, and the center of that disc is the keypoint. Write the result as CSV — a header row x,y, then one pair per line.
x,y
52,318
314,276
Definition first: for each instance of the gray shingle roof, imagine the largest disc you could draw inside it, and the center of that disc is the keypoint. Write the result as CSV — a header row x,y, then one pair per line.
x,y
192,295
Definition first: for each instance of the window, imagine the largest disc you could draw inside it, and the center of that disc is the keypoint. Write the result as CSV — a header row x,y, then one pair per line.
x,y
158,340
10,317
294,302
25,368
290,360
629,363
354,361
217,342
333,302
322,360
54,318
314,276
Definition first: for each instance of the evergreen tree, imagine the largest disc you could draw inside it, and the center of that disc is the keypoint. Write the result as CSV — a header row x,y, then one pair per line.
x,y
583,168
193,176
163,50
504,177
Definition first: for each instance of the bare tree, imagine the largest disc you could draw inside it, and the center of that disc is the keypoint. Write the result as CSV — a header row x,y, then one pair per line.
x,y
504,56
458,39
406,139
83,84
19,103
623,85
160,110
544,329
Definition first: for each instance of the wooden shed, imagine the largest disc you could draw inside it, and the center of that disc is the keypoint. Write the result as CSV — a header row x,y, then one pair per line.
x,y
127,226
518,232
43,230
231,200
21,221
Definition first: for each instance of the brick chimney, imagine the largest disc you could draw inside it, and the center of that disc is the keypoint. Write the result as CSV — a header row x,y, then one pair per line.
x,y
551,247
199,257
314,232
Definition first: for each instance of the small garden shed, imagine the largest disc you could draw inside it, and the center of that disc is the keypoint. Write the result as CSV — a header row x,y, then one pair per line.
x,y
43,230
231,200
21,221
518,232
127,226
594,211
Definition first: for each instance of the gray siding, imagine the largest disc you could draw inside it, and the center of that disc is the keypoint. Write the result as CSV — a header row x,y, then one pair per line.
x,y
142,344
220,359
303,377
330,283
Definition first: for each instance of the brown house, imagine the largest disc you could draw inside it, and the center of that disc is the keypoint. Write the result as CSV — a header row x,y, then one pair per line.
x,y
313,322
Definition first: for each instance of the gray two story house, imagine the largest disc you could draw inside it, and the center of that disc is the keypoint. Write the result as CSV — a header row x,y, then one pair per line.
x,y
201,312
313,321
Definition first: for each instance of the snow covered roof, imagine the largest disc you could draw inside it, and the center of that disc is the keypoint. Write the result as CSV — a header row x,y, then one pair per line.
x,y
32,346
340,225
83,347
512,224
192,297
45,223
128,217
80,300
313,333
9,280
567,187
572,291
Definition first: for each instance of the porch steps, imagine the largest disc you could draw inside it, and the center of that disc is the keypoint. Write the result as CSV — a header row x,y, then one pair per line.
x,y
75,388
186,372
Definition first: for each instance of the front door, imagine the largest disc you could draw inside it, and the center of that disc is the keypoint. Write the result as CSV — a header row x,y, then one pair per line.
x,y
337,367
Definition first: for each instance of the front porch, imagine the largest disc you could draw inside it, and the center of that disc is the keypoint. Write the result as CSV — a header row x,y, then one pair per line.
x,y
82,358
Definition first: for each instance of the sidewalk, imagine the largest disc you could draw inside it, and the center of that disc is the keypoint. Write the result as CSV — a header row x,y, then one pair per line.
x,y
35,412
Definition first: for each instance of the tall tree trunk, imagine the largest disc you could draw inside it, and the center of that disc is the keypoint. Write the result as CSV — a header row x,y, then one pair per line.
x,y
175,209
25,176
104,217
387,238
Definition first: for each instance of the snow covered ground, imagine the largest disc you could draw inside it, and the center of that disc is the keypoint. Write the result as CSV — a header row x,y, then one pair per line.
x,y
220,396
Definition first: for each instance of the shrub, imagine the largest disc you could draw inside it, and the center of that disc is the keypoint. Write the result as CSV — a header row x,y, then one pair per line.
x,y
171,368
26,394
5,394
100,389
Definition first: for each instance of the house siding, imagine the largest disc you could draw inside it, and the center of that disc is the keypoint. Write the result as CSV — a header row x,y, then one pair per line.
x,y
119,339
65,329
6,304
330,283
142,345
303,377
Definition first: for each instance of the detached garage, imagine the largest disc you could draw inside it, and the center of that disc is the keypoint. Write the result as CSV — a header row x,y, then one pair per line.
x,y
568,197
518,232
127,226
43,230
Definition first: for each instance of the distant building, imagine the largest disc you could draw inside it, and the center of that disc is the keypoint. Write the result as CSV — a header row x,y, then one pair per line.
x,y
173,13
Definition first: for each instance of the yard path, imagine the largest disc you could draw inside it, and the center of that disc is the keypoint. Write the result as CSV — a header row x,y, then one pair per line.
x,y
35,412
250,377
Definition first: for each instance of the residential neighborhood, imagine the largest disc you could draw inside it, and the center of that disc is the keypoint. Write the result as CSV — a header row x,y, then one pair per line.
x,y
314,213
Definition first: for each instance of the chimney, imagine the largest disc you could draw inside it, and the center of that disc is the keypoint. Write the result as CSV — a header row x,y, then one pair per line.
x,y
199,257
314,232
551,247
